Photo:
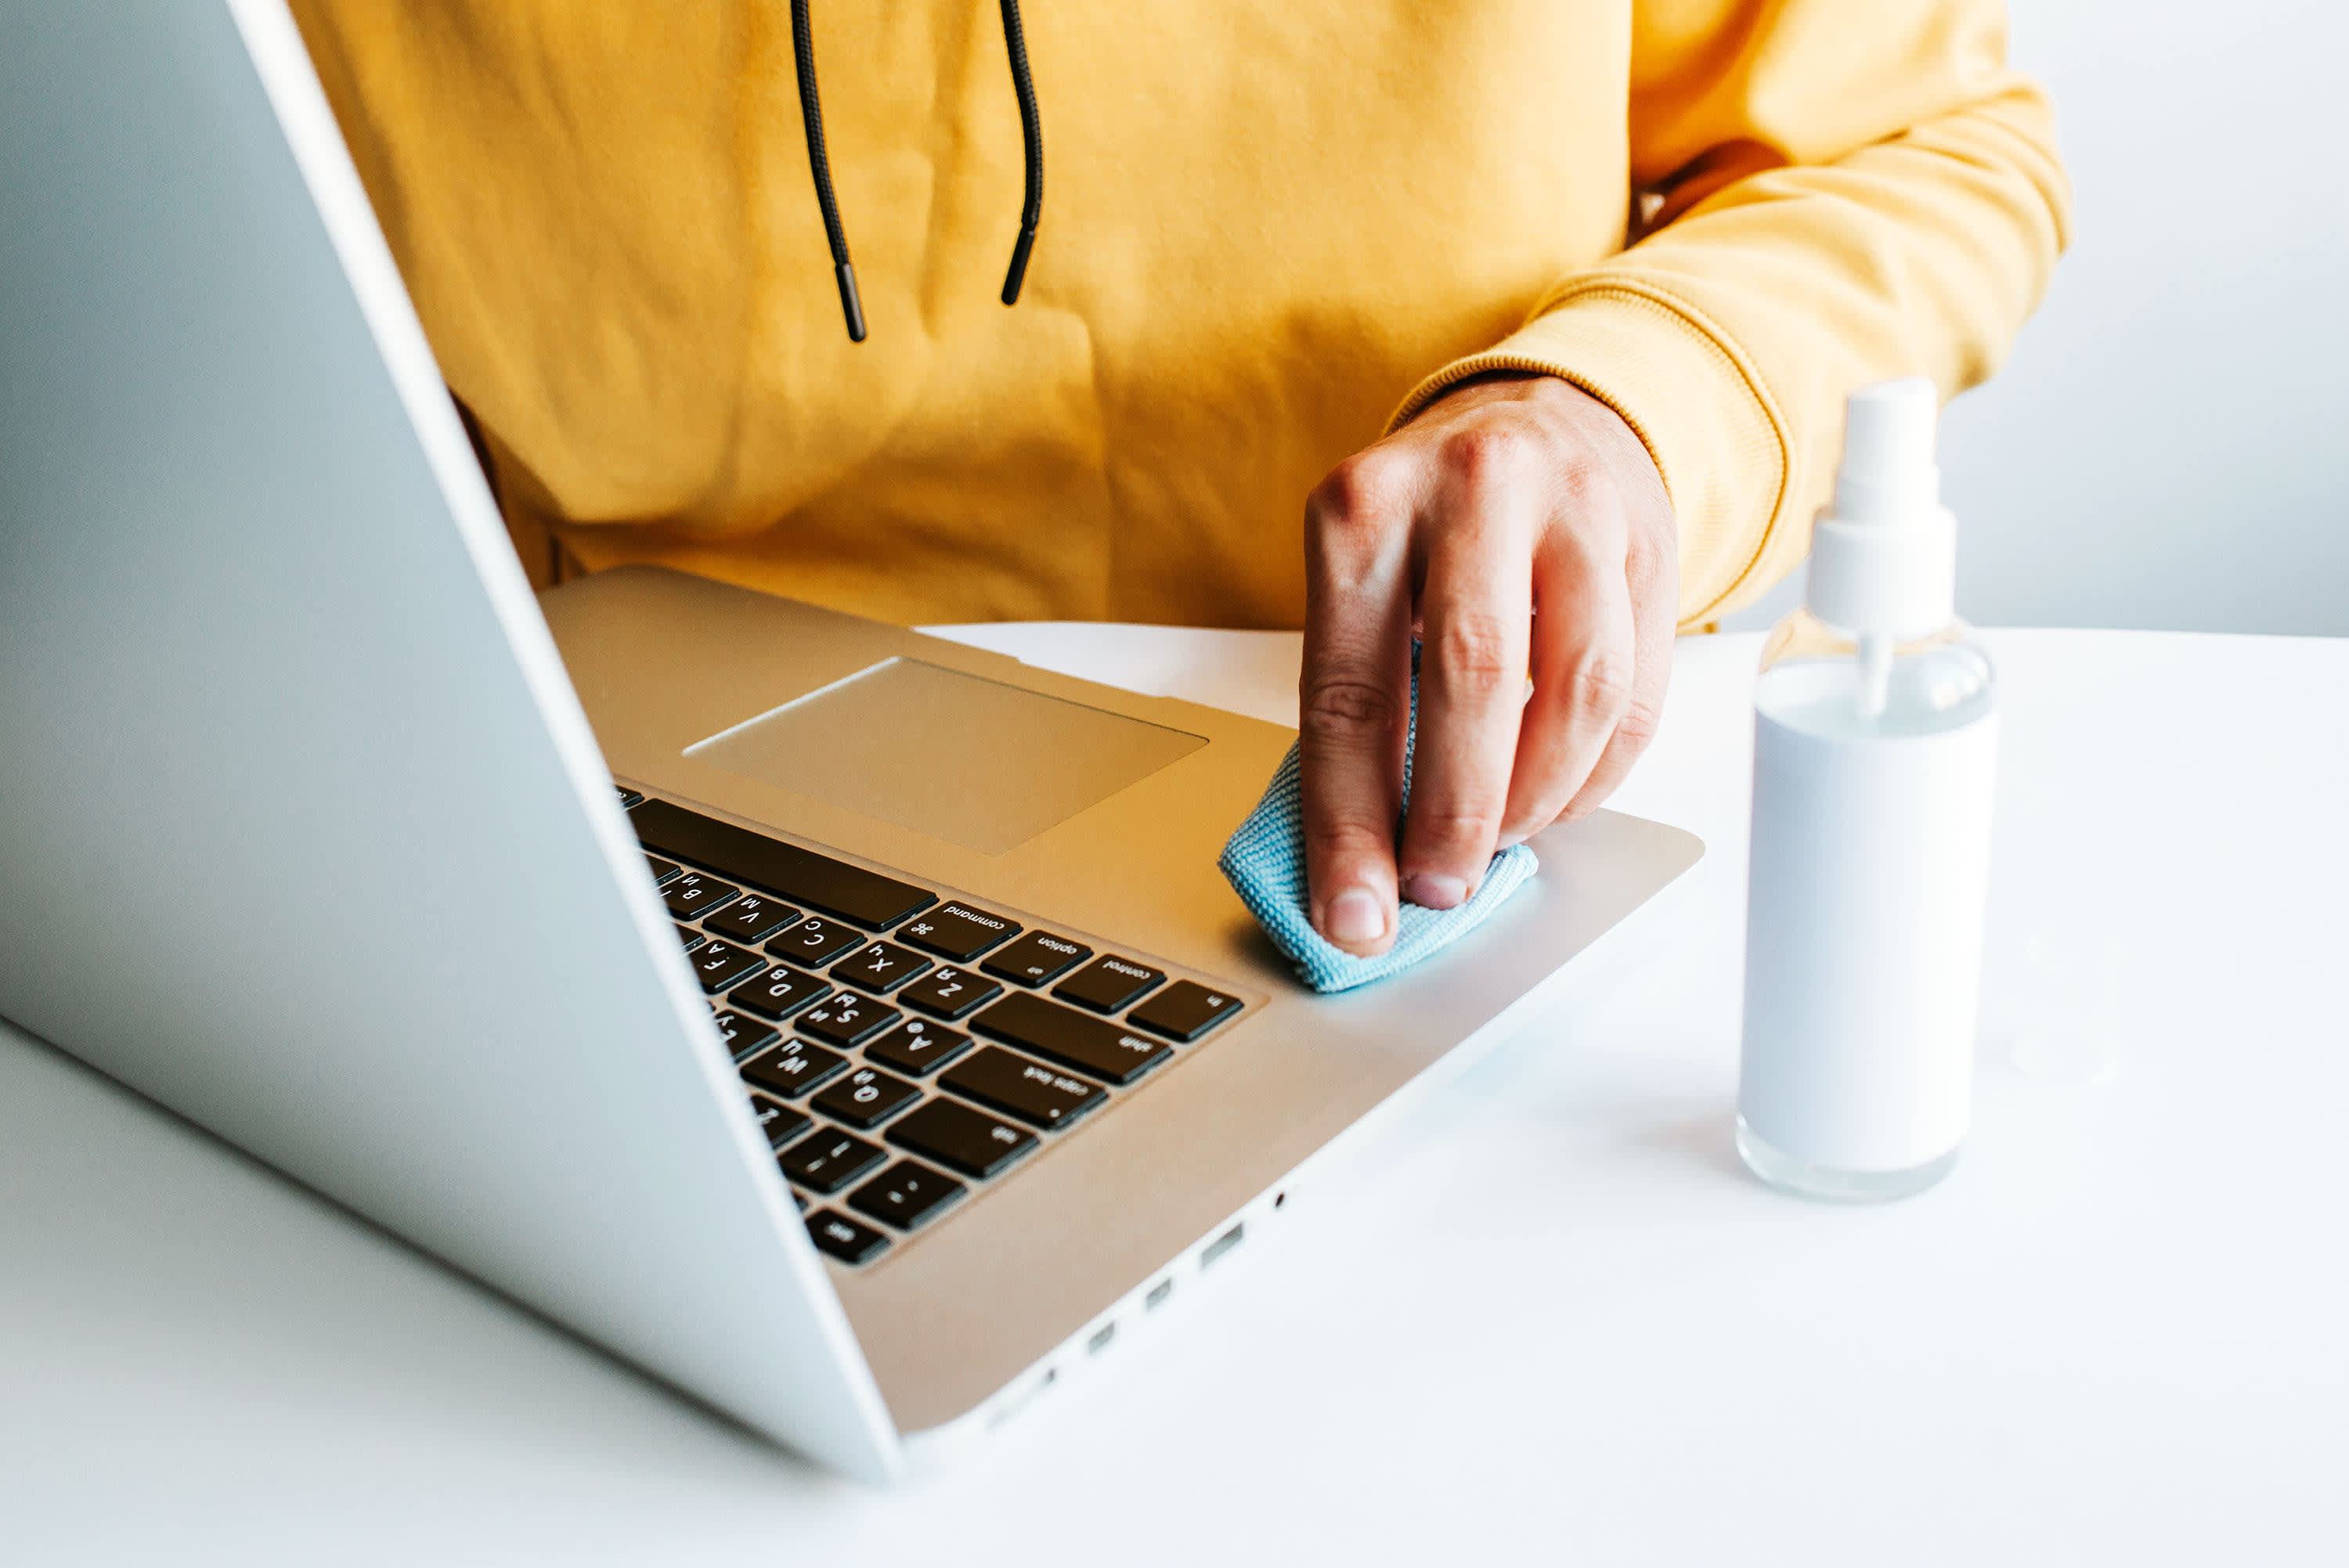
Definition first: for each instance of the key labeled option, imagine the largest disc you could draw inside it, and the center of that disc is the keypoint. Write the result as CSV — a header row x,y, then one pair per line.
x,y
1038,959
908,1194
778,993
879,967
957,932
782,1123
1089,1045
846,1019
1185,1011
830,1160
793,1069
917,1047
1036,1094
1106,984
754,917
719,964
948,993
693,894
866,1098
814,941
962,1139
850,1241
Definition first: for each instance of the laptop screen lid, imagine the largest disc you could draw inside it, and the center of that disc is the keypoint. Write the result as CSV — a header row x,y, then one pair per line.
x,y
307,837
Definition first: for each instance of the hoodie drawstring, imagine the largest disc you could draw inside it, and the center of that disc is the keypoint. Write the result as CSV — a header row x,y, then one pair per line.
x,y
1031,133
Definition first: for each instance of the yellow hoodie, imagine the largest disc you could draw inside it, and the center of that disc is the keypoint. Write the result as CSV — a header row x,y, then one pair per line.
x,y
1270,230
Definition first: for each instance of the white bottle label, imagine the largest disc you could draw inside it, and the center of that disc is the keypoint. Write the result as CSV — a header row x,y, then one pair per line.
x,y
1863,951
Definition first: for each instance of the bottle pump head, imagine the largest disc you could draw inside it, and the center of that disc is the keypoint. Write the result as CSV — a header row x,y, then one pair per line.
x,y
1884,556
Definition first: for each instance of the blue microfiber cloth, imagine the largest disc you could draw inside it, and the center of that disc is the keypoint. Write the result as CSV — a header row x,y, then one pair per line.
x,y
1265,861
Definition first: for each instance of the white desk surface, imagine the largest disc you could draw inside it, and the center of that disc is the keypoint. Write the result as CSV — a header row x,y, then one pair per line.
x,y
1552,1320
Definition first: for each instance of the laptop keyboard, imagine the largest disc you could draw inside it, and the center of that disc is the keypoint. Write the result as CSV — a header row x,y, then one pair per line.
x,y
900,1049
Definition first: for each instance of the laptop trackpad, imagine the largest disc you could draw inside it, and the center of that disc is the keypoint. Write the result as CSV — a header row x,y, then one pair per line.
x,y
958,757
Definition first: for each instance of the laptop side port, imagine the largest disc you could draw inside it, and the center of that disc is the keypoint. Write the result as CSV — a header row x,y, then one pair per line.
x,y
1158,1294
1223,1244
1101,1336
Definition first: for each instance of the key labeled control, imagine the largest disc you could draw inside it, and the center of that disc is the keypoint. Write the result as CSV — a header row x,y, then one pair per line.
x,y
1060,1034
850,1241
918,1047
1038,1094
908,1194
957,932
794,1068
830,1160
866,1098
1185,1011
778,993
1038,959
1107,983
948,993
846,1019
962,1139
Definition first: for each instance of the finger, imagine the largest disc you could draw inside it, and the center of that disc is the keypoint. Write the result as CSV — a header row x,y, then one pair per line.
x,y
1583,658
1654,586
1474,605
1353,697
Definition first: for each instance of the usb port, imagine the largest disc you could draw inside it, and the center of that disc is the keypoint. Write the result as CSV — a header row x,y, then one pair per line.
x,y
1158,1294
1223,1244
1100,1341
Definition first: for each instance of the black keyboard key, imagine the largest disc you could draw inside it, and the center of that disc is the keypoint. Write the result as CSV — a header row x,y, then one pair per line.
x,y
830,1160
866,1098
1089,1045
690,937
1106,984
1038,1094
958,932
717,964
663,870
908,1194
916,1048
754,917
1038,958
629,799
815,942
847,893
780,991
1185,1011
743,1034
794,1068
848,1239
800,1199
961,1139
782,1123
879,967
949,994
695,894
847,1019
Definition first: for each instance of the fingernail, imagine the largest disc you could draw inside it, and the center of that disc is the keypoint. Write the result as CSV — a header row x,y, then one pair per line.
x,y
1355,916
1431,892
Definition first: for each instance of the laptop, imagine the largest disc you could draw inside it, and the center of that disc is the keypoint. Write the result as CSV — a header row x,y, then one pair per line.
x,y
848,1027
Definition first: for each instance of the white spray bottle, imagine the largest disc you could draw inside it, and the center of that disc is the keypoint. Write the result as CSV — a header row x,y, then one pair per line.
x,y
1874,750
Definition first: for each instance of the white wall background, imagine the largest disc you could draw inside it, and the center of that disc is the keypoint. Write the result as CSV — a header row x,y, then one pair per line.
x,y
2168,446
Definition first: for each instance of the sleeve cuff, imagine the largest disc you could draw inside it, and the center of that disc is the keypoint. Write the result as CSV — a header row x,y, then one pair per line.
x,y
1691,396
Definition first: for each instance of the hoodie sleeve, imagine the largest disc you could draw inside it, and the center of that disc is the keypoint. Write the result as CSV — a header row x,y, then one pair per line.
x,y
1824,193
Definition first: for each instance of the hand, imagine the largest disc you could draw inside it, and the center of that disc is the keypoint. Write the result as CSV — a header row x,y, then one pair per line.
x,y
1519,527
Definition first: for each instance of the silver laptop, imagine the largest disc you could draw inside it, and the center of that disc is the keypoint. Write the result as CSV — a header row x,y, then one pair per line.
x,y
846,1026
